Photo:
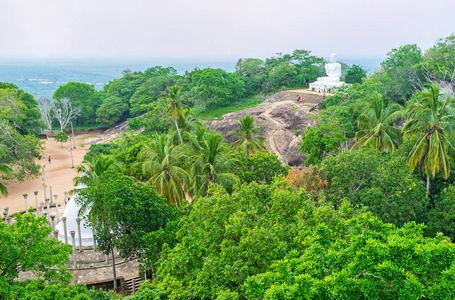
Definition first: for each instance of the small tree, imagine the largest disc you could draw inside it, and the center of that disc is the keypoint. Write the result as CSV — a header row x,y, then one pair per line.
x,y
61,137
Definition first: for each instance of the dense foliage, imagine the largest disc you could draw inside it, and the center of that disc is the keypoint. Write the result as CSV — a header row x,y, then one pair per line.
x,y
261,167
19,124
25,247
38,289
121,211
210,220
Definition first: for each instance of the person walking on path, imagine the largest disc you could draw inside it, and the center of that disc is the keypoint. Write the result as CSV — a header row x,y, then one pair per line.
x,y
49,159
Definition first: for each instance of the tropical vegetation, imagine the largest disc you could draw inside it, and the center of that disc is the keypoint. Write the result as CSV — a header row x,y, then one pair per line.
x,y
369,216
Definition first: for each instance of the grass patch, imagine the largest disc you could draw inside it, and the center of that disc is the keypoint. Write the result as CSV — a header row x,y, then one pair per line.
x,y
213,112
83,127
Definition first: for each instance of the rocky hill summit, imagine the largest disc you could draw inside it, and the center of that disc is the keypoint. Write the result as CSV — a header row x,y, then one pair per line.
x,y
283,122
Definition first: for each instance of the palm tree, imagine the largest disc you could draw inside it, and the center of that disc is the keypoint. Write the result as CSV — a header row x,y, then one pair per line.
x,y
247,140
376,124
5,169
174,106
432,119
91,169
186,125
210,160
164,163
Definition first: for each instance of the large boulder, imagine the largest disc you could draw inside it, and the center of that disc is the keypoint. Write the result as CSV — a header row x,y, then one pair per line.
x,y
281,118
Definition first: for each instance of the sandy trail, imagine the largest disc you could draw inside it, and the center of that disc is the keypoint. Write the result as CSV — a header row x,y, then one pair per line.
x,y
58,174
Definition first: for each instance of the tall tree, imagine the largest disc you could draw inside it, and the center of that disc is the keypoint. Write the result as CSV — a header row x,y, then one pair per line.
x,y
46,108
376,124
210,161
248,141
432,119
403,66
439,61
162,162
124,213
81,95
91,168
174,106
65,112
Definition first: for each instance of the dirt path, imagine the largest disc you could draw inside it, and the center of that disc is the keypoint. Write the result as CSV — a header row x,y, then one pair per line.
x,y
58,174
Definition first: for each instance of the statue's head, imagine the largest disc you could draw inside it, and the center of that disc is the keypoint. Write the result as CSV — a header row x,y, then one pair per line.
x,y
333,58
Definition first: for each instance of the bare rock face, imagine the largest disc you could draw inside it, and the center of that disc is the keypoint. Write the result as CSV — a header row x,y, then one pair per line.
x,y
280,118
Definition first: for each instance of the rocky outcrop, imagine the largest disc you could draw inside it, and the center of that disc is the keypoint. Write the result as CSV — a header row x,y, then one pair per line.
x,y
283,122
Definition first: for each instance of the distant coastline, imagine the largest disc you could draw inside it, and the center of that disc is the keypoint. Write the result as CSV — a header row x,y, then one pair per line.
x,y
42,77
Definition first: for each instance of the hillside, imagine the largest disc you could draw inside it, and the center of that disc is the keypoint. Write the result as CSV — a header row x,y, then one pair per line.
x,y
280,117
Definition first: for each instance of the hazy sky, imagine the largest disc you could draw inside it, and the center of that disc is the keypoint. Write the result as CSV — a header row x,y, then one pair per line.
x,y
217,29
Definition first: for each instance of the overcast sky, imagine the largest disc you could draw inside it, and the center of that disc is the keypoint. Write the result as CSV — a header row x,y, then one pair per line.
x,y
217,29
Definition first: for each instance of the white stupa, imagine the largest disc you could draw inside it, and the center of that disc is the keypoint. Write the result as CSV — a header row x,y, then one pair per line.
x,y
71,214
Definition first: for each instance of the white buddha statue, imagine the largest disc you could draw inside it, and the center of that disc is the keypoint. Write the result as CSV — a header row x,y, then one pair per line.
x,y
333,70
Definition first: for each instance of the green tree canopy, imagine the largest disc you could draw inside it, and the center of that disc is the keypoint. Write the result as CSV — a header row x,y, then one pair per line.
x,y
38,289
440,58
81,95
91,169
324,137
225,239
261,167
159,79
25,247
124,213
111,111
216,86
377,181
358,257
355,74
19,152
405,56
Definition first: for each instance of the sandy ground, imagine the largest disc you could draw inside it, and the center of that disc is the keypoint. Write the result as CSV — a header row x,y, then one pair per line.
x,y
58,174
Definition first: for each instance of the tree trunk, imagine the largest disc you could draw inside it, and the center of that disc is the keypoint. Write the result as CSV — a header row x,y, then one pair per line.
x,y
113,270
428,186
178,131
